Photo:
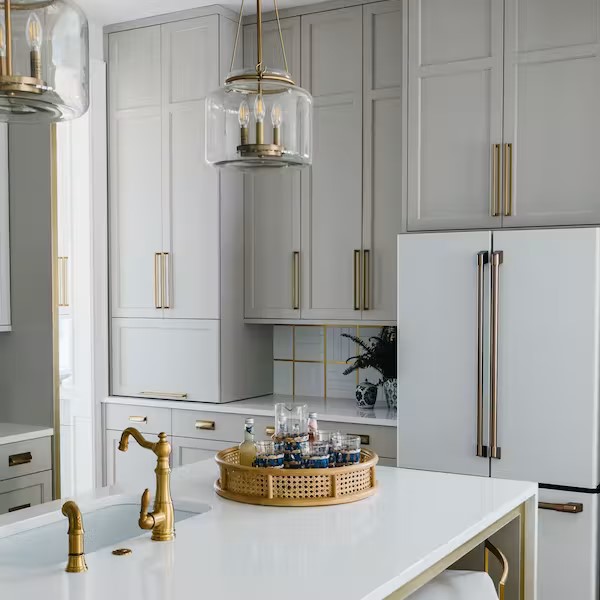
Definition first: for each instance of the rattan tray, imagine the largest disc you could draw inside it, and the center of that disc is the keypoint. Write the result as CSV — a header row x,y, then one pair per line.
x,y
295,487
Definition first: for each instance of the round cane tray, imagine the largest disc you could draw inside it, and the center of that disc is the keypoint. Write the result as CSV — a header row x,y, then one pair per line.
x,y
295,487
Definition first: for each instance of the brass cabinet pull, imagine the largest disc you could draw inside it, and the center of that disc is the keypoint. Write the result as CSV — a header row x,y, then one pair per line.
x,y
295,280
366,279
135,419
59,274
206,425
365,440
166,280
19,459
357,280
496,181
157,293
569,507
20,507
65,280
482,260
270,430
176,395
497,258
508,179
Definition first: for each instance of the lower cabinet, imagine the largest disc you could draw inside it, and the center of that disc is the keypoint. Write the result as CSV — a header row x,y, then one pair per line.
x,y
189,450
24,492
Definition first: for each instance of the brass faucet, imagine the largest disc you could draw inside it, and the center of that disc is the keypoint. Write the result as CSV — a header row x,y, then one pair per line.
x,y
161,520
76,562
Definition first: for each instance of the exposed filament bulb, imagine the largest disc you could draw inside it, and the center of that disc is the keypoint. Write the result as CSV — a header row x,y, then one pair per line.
x,y
34,32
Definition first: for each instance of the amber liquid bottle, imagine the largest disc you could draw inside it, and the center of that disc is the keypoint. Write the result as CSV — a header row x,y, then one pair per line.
x,y
247,447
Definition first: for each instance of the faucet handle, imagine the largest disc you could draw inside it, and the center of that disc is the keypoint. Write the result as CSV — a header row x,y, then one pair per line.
x,y
145,504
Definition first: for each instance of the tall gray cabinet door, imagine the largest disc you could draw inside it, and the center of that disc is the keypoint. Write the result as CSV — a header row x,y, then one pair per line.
x,y
135,171
190,186
272,202
332,189
439,293
383,176
455,113
551,116
549,356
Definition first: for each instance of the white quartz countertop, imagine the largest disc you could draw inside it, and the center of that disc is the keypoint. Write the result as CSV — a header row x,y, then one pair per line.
x,y
341,410
11,432
360,551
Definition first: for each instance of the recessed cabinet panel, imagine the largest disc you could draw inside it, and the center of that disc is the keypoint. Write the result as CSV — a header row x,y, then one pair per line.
x,y
136,213
134,468
170,359
383,45
187,451
135,68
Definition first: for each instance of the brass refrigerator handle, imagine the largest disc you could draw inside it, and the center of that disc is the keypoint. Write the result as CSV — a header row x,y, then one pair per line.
x,y
157,293
295,280
496,210
357,280
59,287
366,280
65,280
482,260
166,279
508,182
497,258
568,507
176,395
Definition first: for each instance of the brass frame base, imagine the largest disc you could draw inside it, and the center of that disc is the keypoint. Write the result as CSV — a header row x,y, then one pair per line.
x,y
260,150
20,83
265,76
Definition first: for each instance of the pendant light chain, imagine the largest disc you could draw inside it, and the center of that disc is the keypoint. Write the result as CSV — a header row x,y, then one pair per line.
x,y
281,36
237,36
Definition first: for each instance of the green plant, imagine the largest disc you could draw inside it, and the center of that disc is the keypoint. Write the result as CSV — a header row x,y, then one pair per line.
x,y
379,352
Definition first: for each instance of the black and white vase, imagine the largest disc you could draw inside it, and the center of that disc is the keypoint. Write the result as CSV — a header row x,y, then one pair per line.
x,y
390,389
366,394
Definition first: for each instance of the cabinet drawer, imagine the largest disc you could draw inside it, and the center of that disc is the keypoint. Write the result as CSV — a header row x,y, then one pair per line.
x,y
187,450
210,425
173,359
568,548
147,419
23,492
23,458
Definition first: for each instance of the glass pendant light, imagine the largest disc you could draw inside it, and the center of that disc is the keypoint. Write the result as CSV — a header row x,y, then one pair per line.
x,y
44,55
279,110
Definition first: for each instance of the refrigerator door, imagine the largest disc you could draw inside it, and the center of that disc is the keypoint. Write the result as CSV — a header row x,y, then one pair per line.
x,y
439,326
568,548
548,356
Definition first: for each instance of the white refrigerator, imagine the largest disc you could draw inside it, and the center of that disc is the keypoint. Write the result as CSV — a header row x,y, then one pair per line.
x,y
499,375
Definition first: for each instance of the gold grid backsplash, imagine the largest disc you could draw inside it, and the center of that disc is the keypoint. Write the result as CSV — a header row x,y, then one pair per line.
x,y
309,360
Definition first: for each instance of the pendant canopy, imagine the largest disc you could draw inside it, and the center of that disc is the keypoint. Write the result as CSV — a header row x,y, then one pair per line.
x,y
44,61
260,118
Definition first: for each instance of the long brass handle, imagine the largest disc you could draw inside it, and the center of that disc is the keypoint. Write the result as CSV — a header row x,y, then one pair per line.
x,y
357,280
508,179
205,425
177,395
482,260
568,507
497,258
166,279
20,507
19,459
366,280
365,440
489,548
296,280
496,181
138,419
65,280
270,430
59,274
157,286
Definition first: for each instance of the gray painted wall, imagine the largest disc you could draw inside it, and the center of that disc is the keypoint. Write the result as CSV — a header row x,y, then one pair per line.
x,y
26,354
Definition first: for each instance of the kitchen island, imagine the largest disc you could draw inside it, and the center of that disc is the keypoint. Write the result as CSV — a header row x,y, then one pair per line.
x,y
416,525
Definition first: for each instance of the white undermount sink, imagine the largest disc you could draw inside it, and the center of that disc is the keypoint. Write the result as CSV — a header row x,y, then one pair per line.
x,y
106,524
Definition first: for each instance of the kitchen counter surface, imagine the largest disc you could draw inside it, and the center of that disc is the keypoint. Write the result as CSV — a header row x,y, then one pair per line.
x,y
11,433
341,410
360,551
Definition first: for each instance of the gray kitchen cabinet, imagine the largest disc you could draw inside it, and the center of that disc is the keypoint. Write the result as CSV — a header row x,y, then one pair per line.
x,y
26,491
190,450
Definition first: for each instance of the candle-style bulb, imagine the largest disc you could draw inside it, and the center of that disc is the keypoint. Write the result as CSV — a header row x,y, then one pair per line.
x,y
259,108
244,114
276,115
34,32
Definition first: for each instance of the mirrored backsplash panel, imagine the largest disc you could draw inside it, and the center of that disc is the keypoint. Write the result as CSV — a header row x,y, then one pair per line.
x,y
310,360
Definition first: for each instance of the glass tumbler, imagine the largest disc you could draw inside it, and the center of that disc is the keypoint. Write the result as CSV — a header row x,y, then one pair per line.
x,y
319,455
350,450
269,454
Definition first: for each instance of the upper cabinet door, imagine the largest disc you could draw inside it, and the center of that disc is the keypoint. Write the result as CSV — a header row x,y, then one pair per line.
x,y
548,356
552,93
383,173
135,172
4,233
190,187
332,189
455,113
272,202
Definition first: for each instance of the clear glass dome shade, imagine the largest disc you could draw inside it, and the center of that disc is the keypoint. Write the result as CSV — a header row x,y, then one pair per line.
x,y
44,61
259,122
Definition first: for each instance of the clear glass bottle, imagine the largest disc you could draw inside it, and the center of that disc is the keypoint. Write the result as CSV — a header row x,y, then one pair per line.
x,y
313,427
247,447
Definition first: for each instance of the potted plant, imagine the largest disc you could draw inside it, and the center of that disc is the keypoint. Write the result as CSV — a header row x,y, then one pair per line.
x,y
379,353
